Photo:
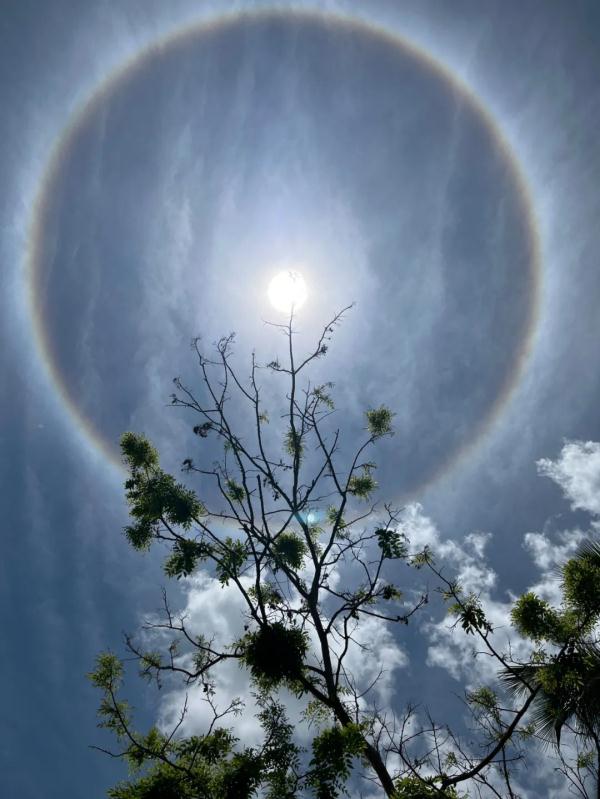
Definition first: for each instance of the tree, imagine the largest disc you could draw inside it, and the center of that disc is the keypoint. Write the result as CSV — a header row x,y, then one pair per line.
x,y
565,667
289,509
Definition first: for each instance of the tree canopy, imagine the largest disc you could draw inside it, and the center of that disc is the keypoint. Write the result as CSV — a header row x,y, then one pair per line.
x,y
287,507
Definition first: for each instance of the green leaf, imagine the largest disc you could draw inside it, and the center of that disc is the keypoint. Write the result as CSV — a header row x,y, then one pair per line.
x,y
289,550
231,560
581,581
275,654
185,556
392,543
362,485
390,592
140,534
534,618
425,788
235,491
138,452
333,752
321,394
108,673
379,421
471,615
157,496
293,444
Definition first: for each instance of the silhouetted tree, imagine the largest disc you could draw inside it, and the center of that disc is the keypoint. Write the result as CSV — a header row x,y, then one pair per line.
x,y
293,510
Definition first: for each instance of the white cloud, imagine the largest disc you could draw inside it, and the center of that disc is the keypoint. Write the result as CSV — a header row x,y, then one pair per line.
x,y
450,648
549,553
375,659
467,556
215,610
577,472
420,531
218,612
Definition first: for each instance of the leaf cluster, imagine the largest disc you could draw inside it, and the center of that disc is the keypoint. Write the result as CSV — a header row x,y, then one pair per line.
x,y
185,556
152,494
471,615
231,560
418,788
288,550
566,680
391,543
334,749
379,421
362,485
208,766
275,654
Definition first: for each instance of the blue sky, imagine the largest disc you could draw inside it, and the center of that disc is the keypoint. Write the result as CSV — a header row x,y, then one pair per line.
x,y
412,180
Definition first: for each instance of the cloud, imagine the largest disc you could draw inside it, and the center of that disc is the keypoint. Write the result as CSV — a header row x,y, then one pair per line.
x,y
374,653
418,528
577,472
549,552
218,612
450,648
215,611
373,658
467,556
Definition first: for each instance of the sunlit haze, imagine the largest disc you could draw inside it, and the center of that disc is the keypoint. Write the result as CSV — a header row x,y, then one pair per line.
x,y
287,291
394,202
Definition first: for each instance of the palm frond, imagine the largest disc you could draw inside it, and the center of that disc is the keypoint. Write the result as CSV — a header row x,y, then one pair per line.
x,y
589,550
521,680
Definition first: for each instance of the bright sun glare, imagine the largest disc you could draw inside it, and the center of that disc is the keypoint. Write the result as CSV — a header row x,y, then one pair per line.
x,y
287,291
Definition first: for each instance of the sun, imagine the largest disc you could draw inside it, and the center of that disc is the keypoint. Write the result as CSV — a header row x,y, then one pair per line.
x,y
287,291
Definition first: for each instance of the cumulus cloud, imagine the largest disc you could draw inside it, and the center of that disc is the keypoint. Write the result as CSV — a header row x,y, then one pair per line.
x,y
577,472
549,552
419,529
218,612
373,658
465,560
374,655
467,555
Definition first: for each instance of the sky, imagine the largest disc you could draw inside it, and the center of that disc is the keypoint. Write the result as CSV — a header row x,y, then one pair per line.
x,y
434,163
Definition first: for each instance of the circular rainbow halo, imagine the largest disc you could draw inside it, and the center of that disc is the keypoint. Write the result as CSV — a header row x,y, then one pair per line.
x,y
287,291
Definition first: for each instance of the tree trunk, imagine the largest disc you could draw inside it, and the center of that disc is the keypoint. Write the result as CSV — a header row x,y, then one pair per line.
x,y
372,754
